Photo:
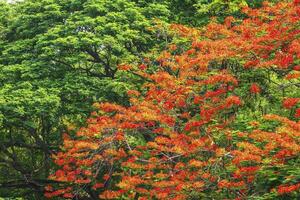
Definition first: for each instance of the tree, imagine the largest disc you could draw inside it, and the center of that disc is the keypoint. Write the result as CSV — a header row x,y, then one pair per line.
x,y
178,138
56,59
195,13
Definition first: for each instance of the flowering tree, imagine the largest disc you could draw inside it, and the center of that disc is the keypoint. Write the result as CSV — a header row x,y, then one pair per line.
x,y
176,140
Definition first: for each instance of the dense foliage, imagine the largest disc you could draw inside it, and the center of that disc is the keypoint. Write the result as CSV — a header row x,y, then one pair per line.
x,y
57,58
188,133
188,99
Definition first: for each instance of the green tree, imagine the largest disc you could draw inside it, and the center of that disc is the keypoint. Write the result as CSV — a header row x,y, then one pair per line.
x,y
56,59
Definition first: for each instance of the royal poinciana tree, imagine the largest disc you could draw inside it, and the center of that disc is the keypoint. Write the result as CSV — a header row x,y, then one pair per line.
x,y
177,139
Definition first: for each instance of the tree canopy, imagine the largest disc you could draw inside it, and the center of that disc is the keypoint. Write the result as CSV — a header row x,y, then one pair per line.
x,y
142,99
183,136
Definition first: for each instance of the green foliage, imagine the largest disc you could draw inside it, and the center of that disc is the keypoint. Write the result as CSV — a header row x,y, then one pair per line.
x,y
56,59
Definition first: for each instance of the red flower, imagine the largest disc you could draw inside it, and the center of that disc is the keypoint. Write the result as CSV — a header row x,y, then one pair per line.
x,y
254,88
60,162
59,173
233,100
98,185
288,188
297,114
251,63
285,60
143,66
290,102
297,68
68,195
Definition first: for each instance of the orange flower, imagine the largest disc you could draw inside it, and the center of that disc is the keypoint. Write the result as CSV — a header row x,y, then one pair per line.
x,y
49,188
288,189
124,67
133,93
167,140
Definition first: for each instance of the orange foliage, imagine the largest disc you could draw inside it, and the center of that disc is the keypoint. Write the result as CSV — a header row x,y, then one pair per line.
x,y
181,115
